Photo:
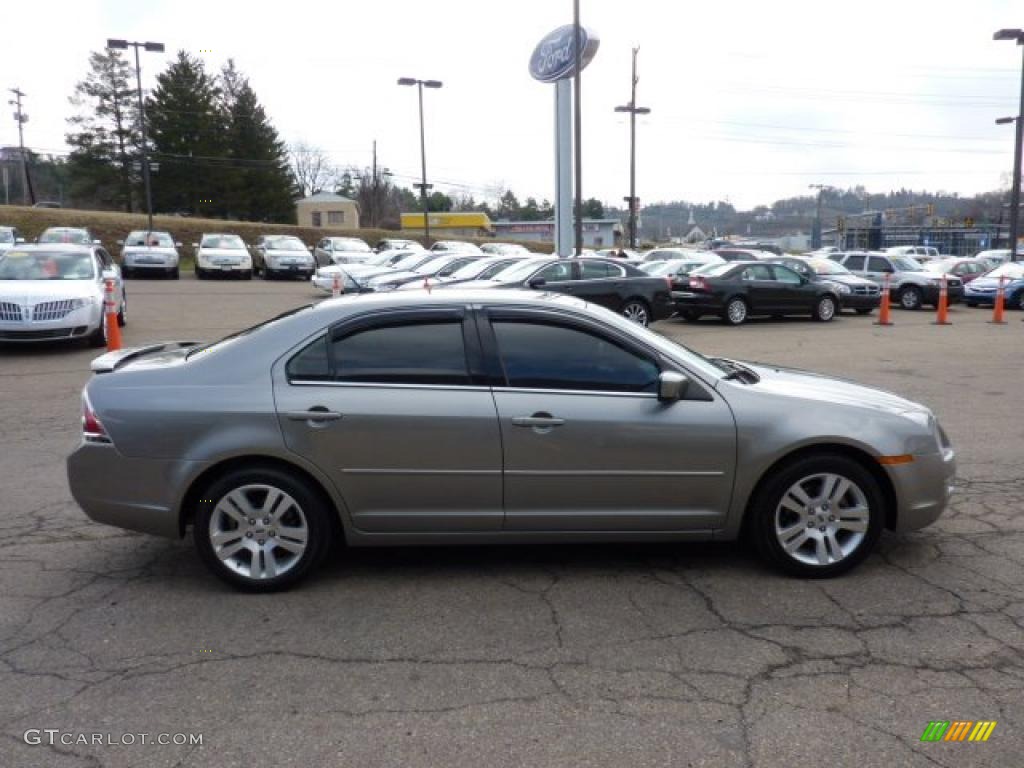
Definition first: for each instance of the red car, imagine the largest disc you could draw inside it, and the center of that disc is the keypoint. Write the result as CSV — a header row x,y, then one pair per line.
x,y
964,268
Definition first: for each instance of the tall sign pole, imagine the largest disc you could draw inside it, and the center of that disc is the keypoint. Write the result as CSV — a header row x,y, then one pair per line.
x,y
633,111
27,194
556,59
578,122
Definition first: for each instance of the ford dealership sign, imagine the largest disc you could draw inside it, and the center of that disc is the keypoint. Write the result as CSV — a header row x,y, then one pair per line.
x,y
554,58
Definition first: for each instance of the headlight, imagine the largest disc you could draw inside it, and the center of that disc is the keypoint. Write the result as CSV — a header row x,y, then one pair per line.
x,y
843,288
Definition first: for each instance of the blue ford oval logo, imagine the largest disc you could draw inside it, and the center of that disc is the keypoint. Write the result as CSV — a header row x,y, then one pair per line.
x,y
554,58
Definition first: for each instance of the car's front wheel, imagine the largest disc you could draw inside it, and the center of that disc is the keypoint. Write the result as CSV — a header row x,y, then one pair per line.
x,y
911,298
825,309
261,529
818,517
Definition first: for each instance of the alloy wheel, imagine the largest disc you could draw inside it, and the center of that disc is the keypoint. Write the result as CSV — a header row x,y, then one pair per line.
x,y
736,311
826,309
258,531
822,519
910,299
636,312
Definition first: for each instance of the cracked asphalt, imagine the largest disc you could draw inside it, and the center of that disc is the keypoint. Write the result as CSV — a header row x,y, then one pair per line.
x,y
565,655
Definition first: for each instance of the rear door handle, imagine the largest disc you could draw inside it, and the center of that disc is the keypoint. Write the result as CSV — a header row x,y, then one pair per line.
x,y
315,414
537,420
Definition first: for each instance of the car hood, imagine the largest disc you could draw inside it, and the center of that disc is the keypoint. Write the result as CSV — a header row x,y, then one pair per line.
x,y
232,252
21,291
162,251
483,284
845,279
279,253
792,382
992,283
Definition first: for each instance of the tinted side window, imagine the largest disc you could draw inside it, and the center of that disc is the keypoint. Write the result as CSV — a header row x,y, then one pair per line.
x,y
597,269
412,353
541,356
757,272
854,262
311,364
785,275
877,264
556,272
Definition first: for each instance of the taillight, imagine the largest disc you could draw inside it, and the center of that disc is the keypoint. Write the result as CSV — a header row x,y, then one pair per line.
x,y
92,427
698,283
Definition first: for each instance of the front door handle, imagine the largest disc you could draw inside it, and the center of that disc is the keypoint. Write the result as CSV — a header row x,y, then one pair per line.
x,y
316,414
538,420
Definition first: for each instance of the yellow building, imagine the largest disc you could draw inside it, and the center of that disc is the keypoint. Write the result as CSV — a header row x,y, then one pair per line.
x,y
449,224
327,210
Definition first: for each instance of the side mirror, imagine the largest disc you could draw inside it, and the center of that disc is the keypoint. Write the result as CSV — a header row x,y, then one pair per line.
x,y
537,282
671,386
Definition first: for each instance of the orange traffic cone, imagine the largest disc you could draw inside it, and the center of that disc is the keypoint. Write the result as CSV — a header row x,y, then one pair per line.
x,y
942,315
110,315
884,309
336,289
997,308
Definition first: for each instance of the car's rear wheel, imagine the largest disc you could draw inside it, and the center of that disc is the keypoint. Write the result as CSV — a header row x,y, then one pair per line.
x,y
911,298
261,529
636,311
735,312
825,309
818,517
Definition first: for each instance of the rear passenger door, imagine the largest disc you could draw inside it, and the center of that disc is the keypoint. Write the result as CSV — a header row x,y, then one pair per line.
x,y
393,409
598,283
761,289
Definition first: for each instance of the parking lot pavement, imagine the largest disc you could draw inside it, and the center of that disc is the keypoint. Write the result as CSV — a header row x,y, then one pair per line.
x,y
589,655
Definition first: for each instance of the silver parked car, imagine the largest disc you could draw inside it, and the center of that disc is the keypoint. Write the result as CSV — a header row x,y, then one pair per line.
x,y
490,417
341,250
56,292
282,256
149,253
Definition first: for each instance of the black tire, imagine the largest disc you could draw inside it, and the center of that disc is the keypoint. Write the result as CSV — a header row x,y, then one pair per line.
x,y
200,273
175,274
122,314
911,298
637,311
863,311
1020,301
312,509
246,274
126,272
766,507
825,309
735,311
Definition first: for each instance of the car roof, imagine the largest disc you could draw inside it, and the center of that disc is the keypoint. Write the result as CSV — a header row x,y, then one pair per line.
x,y
50,247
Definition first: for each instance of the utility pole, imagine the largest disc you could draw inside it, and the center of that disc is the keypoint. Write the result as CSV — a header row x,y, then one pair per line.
x,y
28,196
1016,35
578,124
420,85
373,190
816,233
633,111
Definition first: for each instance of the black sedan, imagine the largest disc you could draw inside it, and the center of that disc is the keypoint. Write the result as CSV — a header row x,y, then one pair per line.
x,y
856,293
612,283
737,290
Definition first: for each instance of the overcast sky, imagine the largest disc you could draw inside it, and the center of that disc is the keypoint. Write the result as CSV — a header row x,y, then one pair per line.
x,y
750,100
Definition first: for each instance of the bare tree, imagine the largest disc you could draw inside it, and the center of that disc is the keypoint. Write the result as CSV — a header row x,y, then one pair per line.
x,y
312,168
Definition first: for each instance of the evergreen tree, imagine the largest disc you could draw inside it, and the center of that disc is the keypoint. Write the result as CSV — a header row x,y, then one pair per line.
x,y
186,129
104,135
259,182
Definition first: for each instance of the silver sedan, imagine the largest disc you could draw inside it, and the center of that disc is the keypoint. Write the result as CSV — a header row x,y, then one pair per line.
x,y
489,417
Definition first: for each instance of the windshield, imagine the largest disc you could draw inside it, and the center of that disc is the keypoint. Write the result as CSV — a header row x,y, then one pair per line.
x,y
284,244
519,271
227,242
939,266
152,239
345,244
65,236
906,264
430,266
826,267
43,265
1014,271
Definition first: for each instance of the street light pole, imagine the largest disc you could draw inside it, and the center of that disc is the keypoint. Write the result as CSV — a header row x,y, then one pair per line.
x,y
420,85
1018,36
633,111
154,48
